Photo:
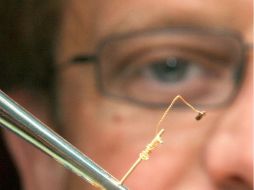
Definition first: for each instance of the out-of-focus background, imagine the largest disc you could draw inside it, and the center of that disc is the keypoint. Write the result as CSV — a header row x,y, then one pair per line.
x,y
9,178
27,33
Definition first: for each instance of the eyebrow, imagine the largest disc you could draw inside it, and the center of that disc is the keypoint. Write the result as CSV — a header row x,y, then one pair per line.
x,y
160,20
118,29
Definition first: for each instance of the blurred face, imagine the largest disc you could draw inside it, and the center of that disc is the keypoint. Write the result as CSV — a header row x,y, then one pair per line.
x,y
211,154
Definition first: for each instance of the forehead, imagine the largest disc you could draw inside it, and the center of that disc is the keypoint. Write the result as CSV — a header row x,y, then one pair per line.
x,y
123,15
87,22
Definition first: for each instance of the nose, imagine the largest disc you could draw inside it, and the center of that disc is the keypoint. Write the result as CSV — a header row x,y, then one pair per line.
x,y
229,152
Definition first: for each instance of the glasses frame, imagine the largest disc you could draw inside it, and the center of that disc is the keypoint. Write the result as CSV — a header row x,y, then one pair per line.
x,y
83,59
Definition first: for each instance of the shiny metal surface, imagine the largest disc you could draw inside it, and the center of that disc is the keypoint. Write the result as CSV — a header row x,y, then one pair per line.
x,y
21,122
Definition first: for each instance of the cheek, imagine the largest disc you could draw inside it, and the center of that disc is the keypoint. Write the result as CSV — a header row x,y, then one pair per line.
x,y
103,130
109,135
113,135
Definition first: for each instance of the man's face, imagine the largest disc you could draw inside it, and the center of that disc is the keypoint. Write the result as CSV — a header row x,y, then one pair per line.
x,y
214,153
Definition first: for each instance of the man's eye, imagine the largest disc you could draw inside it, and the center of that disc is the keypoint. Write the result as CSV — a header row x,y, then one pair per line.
x,y
175,69
159,76
172,69
152,69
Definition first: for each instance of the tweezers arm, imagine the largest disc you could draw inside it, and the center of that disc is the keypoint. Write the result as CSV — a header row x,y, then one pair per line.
x,y
21,122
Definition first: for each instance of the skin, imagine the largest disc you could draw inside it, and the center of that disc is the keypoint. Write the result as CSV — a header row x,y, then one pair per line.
x,y
213,154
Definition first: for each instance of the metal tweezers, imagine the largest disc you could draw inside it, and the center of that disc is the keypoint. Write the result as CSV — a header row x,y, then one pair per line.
x,y
24,124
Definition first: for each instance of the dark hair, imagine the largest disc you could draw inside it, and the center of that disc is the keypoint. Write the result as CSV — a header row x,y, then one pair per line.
x,y
27,41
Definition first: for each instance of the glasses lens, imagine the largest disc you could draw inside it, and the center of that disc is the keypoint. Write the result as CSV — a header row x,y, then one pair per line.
x,y
154,67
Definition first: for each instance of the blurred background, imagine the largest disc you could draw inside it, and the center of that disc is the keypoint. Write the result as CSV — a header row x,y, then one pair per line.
x,y
27,29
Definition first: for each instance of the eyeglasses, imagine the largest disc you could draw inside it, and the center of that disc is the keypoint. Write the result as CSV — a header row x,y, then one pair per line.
x,y
151,67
